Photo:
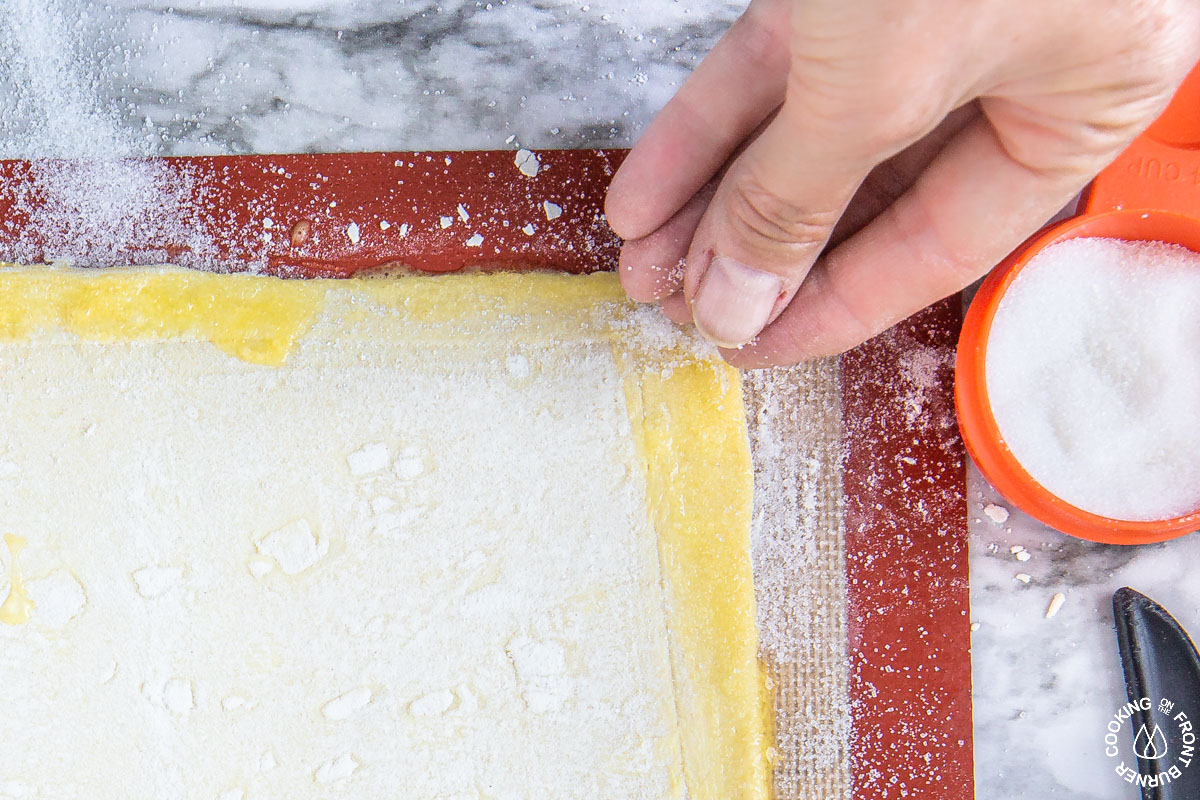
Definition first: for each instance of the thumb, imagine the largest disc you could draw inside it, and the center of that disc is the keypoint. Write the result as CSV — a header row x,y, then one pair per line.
x,y
771,217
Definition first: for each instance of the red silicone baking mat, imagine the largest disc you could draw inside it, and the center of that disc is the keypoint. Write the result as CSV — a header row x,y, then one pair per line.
x,y
308,215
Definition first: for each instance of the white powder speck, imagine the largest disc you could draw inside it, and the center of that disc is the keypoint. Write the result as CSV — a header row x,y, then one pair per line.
x,y
467,702
528,229
353,233
1056,603
381,504
268,223
384,225
446,222
409,464
344,706
177,696
997,514
1093,369
17,789
475,241
1024,555
341,767
432,704
108,673
369,458
293,546
1023,577
551,210
395,522
403,229
154,581
517,366
542,672
462,213
57,598
527,162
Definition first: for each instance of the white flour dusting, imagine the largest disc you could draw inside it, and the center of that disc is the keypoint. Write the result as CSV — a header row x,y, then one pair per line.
x,y
289,590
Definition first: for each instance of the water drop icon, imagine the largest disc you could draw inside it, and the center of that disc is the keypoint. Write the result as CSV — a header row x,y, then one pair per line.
x,y
1150,745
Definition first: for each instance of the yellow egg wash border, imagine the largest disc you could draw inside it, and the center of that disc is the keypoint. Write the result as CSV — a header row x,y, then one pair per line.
x,y
690,422
687,416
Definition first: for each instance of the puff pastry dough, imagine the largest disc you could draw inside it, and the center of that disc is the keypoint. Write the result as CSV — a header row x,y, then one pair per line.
x,y
457,536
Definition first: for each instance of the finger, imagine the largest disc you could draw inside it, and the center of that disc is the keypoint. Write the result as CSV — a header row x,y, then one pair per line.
x,y
676,309
769,220
651,268
971,207
740,82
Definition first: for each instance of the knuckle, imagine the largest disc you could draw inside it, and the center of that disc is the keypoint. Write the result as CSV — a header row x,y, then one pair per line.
x,y
763,36
1070,157
911,121
761,215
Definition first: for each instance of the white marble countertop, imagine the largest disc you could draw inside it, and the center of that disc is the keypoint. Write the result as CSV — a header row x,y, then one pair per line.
x,y
142,77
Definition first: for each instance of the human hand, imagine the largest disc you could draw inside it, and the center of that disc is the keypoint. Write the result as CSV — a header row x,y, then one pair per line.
x,y
836,165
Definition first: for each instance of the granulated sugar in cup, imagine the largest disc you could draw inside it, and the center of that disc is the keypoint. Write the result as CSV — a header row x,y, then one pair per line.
x,y
1078,373
1093,375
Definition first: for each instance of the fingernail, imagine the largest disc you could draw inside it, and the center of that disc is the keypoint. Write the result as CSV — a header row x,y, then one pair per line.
x,y
733,302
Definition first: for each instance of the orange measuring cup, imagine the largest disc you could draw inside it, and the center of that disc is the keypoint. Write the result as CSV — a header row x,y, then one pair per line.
x,y
1150,193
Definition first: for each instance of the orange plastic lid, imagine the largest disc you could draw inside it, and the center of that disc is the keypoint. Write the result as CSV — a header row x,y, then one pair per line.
x,y
1150,193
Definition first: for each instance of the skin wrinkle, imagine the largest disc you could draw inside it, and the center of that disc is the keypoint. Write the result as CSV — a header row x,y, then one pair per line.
x,y
764,214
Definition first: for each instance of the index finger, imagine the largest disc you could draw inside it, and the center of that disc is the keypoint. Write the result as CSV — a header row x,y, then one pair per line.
x,y
733,90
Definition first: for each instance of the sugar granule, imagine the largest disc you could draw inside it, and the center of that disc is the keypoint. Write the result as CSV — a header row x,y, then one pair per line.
x,y
1093,374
